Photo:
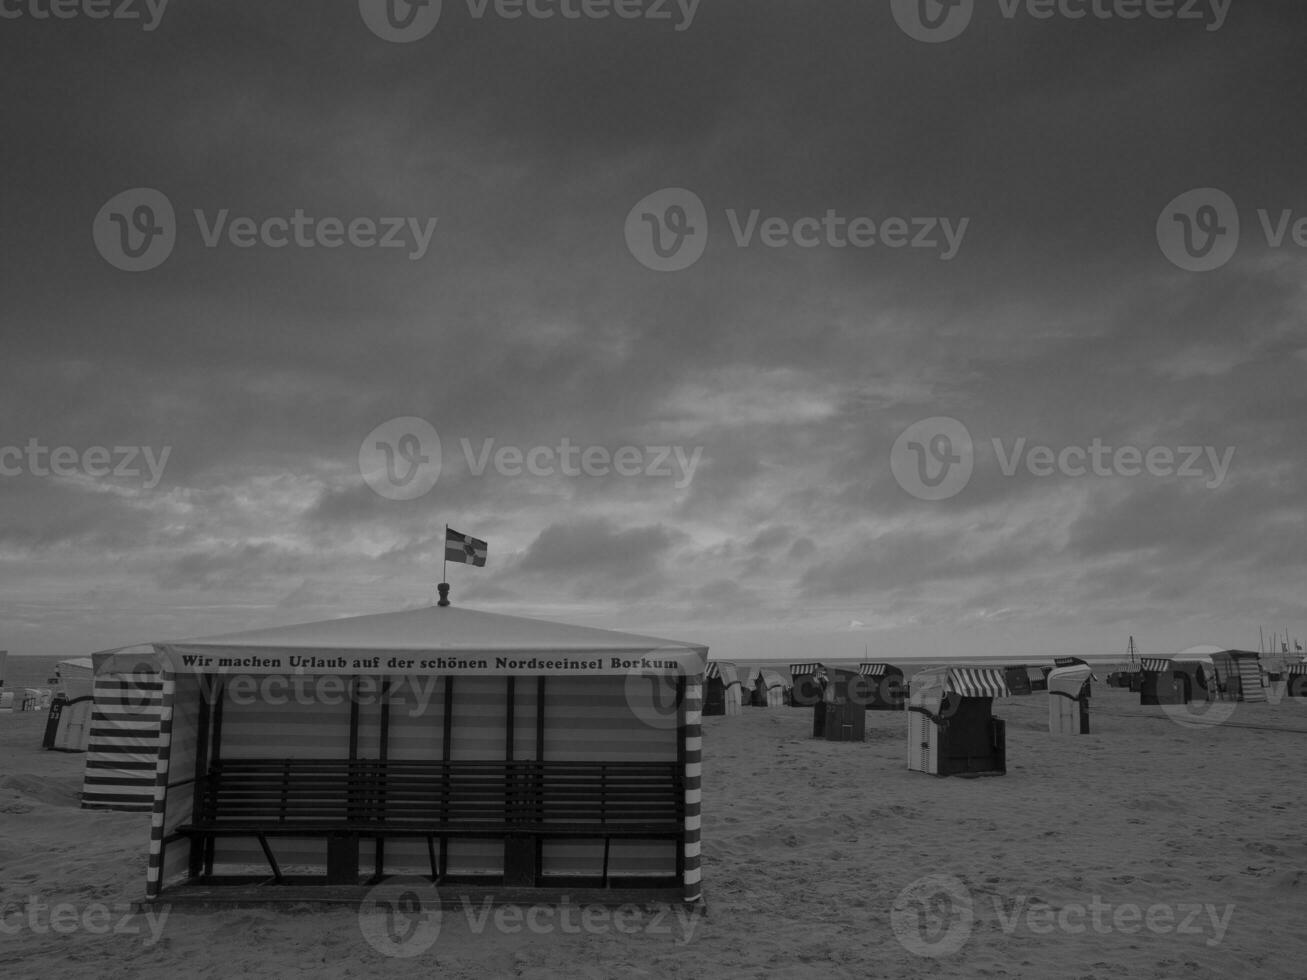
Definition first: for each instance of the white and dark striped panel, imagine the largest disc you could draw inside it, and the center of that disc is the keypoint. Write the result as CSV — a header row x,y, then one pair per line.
x,y
155,872
978,682
799,670
1295,669
692,734
1155,665
872,670
1250,680
122,749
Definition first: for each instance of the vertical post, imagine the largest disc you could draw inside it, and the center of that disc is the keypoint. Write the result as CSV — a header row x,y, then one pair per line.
x,y
690,749
159,811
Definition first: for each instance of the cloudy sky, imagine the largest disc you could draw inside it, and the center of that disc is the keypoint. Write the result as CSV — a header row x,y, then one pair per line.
x,y
796,327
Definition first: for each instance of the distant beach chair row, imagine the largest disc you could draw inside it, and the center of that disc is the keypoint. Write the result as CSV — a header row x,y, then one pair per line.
x,y
1220,675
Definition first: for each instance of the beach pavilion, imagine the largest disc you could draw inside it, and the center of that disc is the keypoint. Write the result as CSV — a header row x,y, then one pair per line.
x,y
466,746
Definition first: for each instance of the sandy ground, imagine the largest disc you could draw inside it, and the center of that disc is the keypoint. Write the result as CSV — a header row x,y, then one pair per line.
x,y
1148,849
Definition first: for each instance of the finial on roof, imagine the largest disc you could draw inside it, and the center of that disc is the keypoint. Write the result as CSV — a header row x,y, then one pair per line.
x,y
443,589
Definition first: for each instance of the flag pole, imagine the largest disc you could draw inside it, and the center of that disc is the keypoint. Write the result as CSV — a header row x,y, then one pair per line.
x,y
443,587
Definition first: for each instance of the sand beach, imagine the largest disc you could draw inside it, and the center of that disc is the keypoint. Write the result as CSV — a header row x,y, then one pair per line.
x,y
1147,849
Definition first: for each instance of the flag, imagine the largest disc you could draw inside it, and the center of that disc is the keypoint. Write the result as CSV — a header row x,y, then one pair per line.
x,y
460,547
1297,644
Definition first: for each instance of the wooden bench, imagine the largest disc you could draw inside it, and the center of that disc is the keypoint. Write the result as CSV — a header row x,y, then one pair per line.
x,y
346,800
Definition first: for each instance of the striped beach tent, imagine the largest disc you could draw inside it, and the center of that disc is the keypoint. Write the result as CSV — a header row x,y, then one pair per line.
x,y
1176,680
807,680
1068,698
1238,675
721,688
123,743
68,728
1295,678
883,688
767,688
951,727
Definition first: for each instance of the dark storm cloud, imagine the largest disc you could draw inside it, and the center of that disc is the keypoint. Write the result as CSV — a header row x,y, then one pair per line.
x,y
527,321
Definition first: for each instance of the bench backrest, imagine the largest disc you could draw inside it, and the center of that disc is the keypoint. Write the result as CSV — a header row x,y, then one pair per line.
x,y
374,791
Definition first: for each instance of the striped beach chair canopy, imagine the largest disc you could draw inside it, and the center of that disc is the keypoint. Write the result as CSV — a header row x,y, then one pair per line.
x,y
1295,669
872,670
1155,664
723,670
1075,662
798,670
977,682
